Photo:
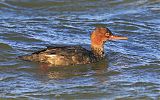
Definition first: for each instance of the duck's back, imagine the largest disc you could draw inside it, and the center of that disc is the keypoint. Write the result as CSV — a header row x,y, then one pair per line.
x,y
62,55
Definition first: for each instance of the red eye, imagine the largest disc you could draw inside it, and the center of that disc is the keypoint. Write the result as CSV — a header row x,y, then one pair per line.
x,y
107,35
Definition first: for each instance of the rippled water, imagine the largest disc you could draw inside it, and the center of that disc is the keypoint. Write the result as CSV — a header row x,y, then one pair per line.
x,y
132,69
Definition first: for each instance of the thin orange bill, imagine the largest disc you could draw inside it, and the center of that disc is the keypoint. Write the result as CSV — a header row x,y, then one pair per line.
x,y
114,37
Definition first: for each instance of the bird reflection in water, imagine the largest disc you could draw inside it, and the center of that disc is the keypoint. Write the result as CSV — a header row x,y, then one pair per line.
x,y
63,72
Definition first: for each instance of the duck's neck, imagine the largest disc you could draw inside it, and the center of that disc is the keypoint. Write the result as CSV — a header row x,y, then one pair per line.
x,y
98,51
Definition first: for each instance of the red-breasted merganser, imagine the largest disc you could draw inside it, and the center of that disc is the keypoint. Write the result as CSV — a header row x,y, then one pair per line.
x,y
72,55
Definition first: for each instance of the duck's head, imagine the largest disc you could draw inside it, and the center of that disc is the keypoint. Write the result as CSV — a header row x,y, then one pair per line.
x,y
100,35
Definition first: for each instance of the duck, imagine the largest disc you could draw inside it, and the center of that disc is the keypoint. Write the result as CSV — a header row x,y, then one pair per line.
x,y
74,55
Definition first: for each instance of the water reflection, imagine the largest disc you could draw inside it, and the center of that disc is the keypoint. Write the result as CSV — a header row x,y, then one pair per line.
x,y
63,72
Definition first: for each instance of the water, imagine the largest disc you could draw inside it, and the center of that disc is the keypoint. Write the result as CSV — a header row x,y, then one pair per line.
x,y
132,69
